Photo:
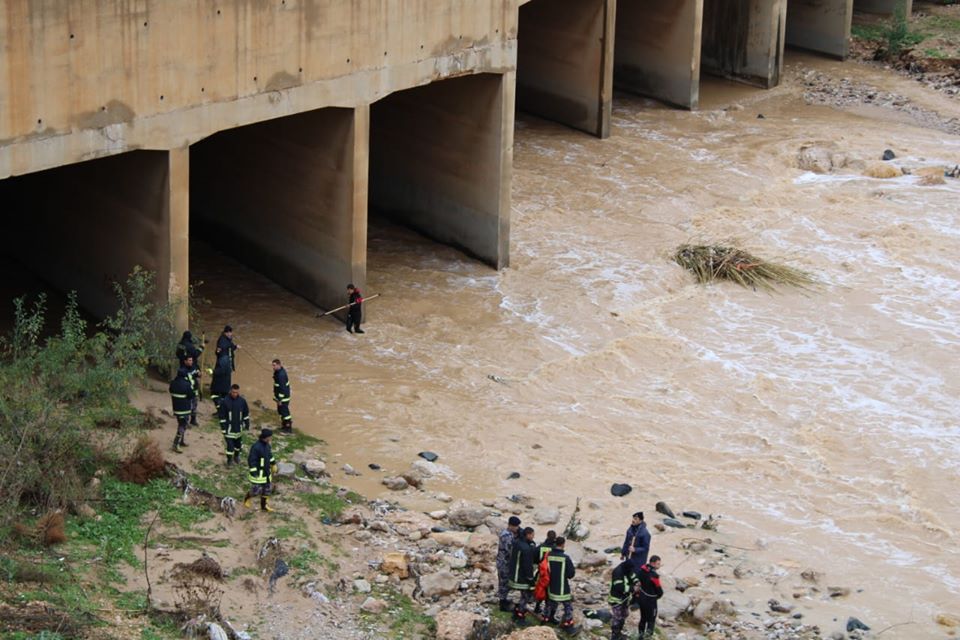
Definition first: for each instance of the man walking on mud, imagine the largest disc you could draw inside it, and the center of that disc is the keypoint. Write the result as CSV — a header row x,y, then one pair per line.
x,y
636,544
507,538
234,417
181,393
261,464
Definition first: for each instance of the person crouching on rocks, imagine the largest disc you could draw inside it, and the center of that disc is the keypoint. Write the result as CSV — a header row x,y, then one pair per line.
x,y
523,573
649,591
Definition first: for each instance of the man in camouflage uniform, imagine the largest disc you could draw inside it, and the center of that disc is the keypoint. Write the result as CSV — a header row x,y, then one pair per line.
x,y
623,585
504,552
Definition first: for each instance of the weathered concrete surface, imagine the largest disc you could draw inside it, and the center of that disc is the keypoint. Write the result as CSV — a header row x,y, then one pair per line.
x,y
288,197
744,39
881,6
565,62
658,49
80,80
440,159
820,25
85,226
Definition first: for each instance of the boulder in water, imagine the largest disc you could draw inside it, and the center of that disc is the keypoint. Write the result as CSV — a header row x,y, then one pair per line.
x,y
693,515
854,624
673,522
665,510
429,456
620,489
888,155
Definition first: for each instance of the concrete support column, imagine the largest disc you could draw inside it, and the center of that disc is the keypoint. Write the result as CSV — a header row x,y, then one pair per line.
x,y
288,198
658,49
820,25
565,62
178,225
882,6
85,226
440,162
743,39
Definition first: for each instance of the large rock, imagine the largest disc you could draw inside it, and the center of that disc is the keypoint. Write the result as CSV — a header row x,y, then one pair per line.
x,y
947,620
442,583
314,468
395,563
458,625
882,170
286,469
665,510
395,484
593,560
533,633
361,586
466,515
672,605
546,515
710,609
620,489
452,538
373,605
816,158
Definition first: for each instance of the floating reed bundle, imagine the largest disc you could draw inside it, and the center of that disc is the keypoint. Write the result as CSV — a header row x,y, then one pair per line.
x,y
715,262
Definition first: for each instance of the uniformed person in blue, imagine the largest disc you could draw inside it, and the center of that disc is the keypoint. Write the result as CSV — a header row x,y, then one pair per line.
x,y
181,393
281,395
234,417
504,552
261,465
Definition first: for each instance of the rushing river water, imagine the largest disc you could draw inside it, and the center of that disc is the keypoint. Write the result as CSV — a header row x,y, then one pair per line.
x,y
820,424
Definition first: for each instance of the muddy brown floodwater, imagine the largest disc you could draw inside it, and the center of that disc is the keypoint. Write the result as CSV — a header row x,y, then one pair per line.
x,y
821,425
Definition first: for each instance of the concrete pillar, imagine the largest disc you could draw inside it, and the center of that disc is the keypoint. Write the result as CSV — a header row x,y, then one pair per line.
x,y
440,162
85,226
743,40
288,198
178,217
658,49
882,6
820,25
565,62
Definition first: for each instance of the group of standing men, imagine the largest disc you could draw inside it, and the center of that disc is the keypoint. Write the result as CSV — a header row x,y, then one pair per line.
x,y
543,572
233,412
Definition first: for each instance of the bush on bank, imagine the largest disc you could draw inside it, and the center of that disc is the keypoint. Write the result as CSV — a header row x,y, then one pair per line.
x,y
62,387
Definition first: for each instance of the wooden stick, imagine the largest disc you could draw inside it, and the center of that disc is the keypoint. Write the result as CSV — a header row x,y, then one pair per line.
x,y
326,313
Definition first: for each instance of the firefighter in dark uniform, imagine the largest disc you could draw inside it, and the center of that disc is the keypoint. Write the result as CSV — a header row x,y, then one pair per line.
x,y
650,591
281,395
181,392
523,573
558,593
226,345
623,584
186,348
545,547
261,465
220,379
234,417
354,311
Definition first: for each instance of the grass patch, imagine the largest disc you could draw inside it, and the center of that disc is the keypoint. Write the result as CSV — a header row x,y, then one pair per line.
x,y
326,503
868,31
305,561
114,536
403,619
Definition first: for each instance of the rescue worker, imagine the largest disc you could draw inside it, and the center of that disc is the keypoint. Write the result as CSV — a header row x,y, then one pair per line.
x,y
650,591
187,348
545,547
181,393
190,369
623,586
507,538
220,379
225,344
523,573
354,311
636,544
234,417
281,395
558,593
261,465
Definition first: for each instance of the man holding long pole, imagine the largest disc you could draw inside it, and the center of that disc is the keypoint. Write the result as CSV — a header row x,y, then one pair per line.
x,y
636,544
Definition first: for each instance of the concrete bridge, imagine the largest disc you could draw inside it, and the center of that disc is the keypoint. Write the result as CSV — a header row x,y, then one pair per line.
x,y
272,126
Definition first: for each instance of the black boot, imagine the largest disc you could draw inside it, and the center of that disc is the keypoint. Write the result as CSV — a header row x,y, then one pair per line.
x,y
506,605
193,420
